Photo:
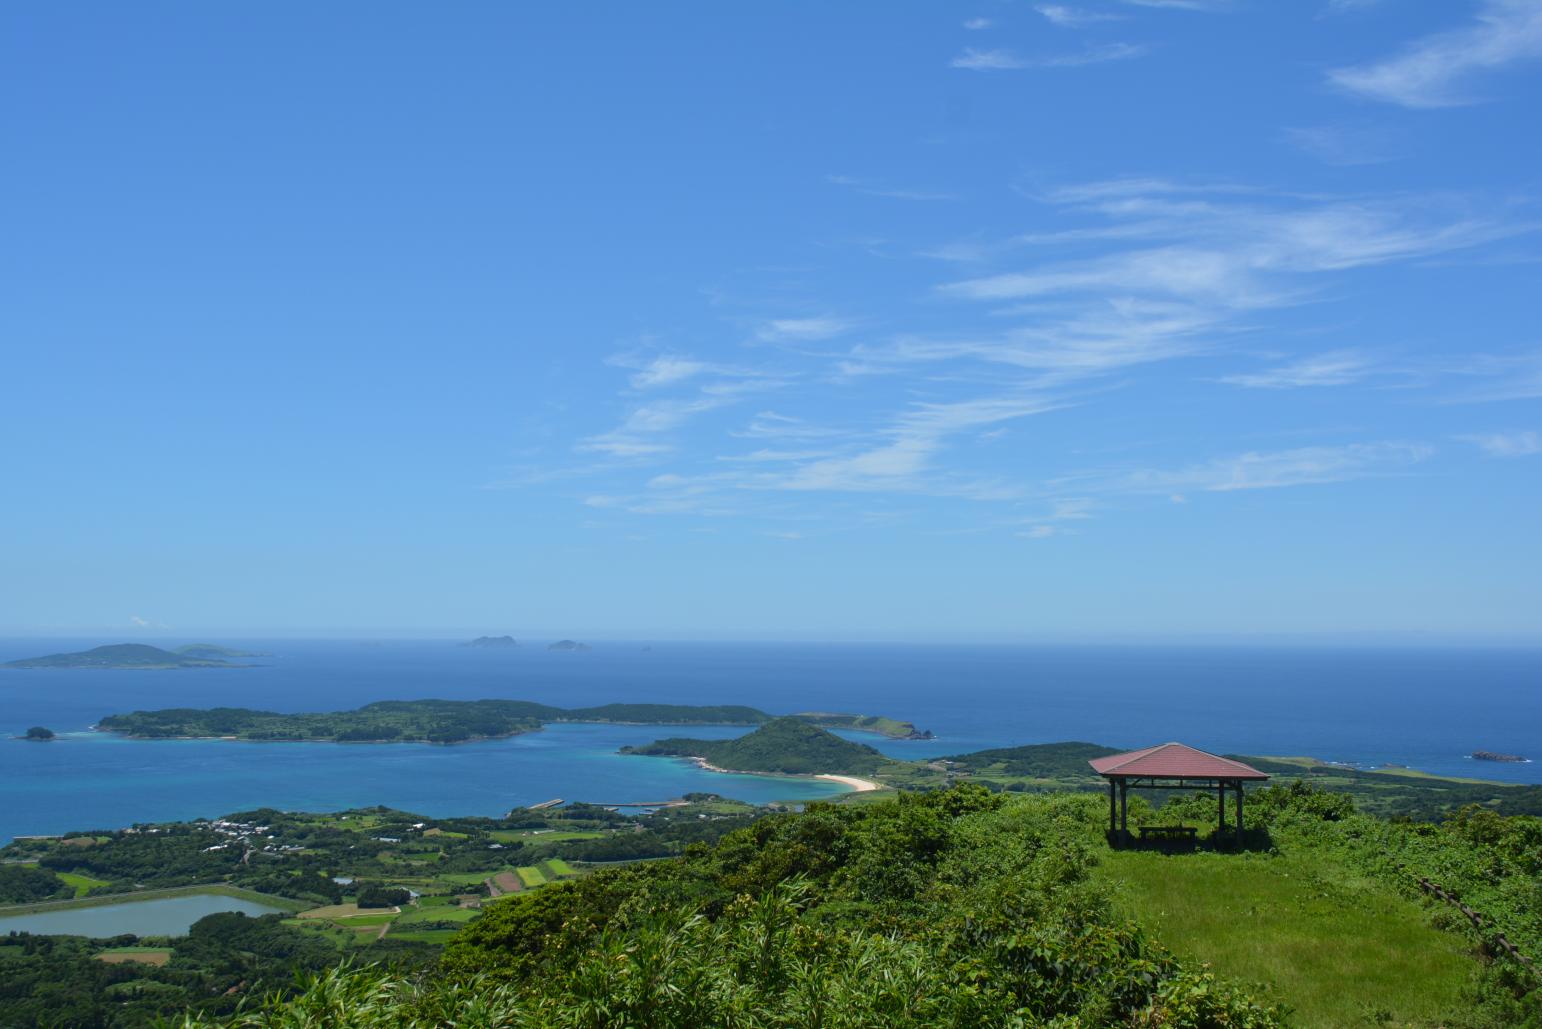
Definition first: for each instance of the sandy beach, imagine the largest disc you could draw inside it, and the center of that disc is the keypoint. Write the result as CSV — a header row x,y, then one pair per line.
x,y
857,785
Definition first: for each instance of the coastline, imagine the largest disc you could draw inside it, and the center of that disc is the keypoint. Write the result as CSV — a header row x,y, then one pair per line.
x,y
858,785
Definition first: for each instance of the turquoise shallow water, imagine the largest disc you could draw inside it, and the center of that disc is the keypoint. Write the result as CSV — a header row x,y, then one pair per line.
x,y
168,916
1426,708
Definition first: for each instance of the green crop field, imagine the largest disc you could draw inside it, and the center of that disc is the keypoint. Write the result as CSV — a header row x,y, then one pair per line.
x,y
1310,930
556,868
530,876
81,883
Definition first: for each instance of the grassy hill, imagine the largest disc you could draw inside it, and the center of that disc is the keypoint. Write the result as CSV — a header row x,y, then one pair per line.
x,y
122,655
786,745
966,908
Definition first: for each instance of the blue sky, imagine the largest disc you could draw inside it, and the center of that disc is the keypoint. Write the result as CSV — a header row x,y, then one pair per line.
x,y
996,320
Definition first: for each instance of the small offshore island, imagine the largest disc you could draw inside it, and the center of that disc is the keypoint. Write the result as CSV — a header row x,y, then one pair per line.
x,y
137,656
455,721
492,642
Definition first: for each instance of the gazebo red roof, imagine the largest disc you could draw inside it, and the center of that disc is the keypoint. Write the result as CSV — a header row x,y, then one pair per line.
x,y
1173,761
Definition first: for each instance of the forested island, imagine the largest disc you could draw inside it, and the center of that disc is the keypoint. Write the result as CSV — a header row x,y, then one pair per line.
x,y
139,656
789,746
444,721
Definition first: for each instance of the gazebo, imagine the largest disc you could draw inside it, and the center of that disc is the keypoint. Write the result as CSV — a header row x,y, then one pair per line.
x,y
1171,766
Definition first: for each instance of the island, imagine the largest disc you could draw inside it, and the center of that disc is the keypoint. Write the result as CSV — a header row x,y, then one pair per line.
x,y
211,650
136,656
890,727
38,732
492,642
457,721
570,645
787,746
1489,755
436,721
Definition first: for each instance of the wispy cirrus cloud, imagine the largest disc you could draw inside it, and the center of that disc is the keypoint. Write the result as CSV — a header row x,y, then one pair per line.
x,y
665,370
977,24
1301,466
1072,17
1506,444
803,330
1005,60
1432,72
1338,368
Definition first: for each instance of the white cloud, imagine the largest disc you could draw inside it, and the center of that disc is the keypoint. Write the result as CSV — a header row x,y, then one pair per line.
x,y
1276,469
1432,71
905,461
1038,532
138,622
1005,60
976,24
665,370
802,330
1072,17
1339,368
987,60
1500,377
1506,444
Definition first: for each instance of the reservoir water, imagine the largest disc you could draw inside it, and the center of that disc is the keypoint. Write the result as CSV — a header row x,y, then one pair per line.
x,y
1426,708
165,916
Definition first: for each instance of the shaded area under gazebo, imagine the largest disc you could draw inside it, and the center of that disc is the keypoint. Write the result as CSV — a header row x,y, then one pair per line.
x,y
1171,766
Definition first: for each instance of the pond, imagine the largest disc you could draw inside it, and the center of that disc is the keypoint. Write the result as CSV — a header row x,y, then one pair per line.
x,y
166,916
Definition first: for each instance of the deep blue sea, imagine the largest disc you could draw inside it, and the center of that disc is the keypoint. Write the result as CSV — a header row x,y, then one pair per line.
x,y
1424,708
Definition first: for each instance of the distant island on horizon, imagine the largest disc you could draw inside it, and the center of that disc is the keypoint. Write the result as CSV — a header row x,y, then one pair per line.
x,y
492,642
568,645
138,656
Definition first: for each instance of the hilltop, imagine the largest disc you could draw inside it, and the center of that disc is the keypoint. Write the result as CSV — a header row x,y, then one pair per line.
x,y
784,745
125,655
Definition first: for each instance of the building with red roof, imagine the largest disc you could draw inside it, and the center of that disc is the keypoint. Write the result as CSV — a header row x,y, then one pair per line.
x,y
1171,766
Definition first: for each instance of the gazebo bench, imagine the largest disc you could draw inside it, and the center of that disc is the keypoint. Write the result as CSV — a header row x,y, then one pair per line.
x,y
1168,832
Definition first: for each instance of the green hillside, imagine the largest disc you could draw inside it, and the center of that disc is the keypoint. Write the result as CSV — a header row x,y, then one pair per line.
x,y
786,745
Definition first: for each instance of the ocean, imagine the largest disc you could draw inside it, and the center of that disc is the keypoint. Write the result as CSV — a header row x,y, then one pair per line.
x,y
1424,708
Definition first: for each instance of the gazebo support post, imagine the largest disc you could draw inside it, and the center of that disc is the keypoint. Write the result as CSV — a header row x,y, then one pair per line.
x,y
1238,787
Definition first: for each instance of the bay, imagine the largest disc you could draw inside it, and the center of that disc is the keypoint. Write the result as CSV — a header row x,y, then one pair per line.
x,y
1427,708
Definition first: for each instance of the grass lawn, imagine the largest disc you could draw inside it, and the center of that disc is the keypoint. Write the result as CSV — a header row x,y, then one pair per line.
x,y
530,876
1337,947
80,883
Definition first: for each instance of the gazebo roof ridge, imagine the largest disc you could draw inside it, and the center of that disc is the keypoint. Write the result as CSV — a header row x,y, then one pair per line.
x,y
1173,760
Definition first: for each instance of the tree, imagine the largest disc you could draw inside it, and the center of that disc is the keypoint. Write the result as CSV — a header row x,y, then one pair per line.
x,y
37,732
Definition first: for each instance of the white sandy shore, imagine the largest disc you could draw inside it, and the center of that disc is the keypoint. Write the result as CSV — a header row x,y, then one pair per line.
x,y
857,785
